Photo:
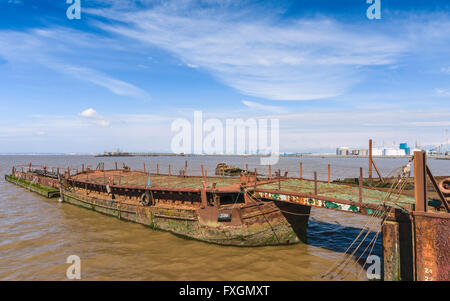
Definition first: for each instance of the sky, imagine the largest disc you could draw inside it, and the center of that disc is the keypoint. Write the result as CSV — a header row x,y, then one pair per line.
x,y
122,73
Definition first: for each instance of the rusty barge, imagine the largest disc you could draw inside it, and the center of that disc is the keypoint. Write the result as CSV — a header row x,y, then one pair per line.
x,y
255,210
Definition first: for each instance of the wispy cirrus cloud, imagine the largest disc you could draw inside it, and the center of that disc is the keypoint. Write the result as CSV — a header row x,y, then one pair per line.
x,y
265,108
48,47
296,60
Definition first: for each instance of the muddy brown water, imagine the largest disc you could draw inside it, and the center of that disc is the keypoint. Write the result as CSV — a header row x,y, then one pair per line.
x,y
37,235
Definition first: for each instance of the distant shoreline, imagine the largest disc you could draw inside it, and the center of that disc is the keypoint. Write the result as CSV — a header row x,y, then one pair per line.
x,y
222,155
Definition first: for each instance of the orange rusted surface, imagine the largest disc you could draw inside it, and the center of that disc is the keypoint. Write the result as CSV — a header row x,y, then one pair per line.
x,y
432,244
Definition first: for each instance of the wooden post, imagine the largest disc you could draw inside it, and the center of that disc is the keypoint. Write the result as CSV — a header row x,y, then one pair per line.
x,y
115,163
270,172
370,160
144,166
315,183
185,168
169,170
329,173
420,184
157,169
82,168
203,172
301,171
246,168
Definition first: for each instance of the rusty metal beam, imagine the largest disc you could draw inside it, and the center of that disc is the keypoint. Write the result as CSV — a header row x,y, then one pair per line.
x,y
420,185
391,251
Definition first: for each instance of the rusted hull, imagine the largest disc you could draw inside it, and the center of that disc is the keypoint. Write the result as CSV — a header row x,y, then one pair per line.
x,y
253,225
40,187
432,246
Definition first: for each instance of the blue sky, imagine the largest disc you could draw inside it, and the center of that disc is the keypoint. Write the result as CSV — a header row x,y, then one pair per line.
x,y
121,74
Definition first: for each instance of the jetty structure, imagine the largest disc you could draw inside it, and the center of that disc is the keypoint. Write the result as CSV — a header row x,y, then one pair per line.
x,y
273,209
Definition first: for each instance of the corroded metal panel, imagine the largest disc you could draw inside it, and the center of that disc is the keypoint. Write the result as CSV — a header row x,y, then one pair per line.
x,y
432,246
391,251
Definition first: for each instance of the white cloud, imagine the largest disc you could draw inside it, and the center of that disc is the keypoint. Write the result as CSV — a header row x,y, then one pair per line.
x,y
300,60
261,107
37,46
442,92
445,70
94,117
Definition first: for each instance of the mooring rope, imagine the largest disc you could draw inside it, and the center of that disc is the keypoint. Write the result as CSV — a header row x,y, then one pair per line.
x,y
396,187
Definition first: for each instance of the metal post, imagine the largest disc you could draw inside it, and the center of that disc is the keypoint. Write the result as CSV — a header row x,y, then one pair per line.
x,y
391,251
115,164
370,160
279,179
420,185
315,183
329,173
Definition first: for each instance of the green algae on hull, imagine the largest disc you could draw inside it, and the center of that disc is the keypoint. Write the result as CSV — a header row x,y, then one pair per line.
x,y
46,191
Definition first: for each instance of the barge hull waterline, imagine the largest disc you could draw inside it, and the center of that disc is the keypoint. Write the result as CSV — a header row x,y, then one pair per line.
x,y
271,232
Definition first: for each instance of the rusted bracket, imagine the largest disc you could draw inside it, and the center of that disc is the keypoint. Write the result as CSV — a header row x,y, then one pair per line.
x,y
439,192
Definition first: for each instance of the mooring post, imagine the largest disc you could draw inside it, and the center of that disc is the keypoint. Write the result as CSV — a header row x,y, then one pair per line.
x,y
144,166
315,183
115,165
329,173
301,171
157,169
82,168
185,168
270,172
169,170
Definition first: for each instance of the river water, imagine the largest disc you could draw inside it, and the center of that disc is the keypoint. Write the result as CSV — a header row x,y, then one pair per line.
x,y
37,235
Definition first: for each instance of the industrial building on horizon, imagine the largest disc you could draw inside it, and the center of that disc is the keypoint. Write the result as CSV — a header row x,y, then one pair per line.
x,y
401,150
